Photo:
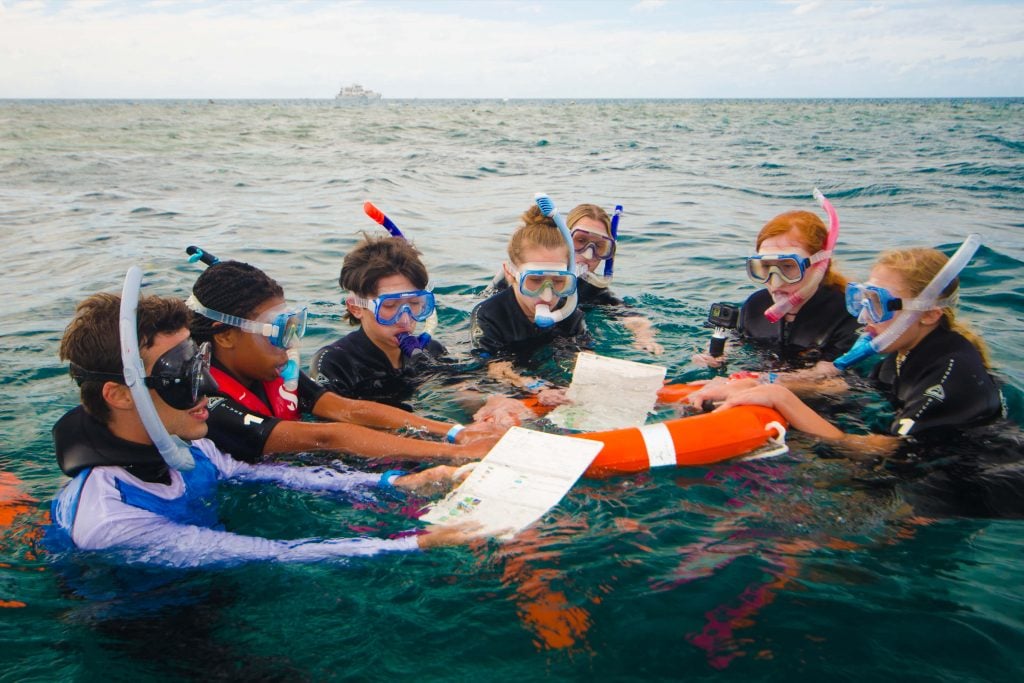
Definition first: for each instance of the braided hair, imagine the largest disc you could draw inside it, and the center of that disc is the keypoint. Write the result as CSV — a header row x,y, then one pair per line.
x,y
230,287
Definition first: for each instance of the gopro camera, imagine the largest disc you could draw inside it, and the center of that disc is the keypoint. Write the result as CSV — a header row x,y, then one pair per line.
x,y
724,315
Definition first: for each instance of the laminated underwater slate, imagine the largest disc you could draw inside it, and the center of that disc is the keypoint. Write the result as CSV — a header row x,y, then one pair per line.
x,y
526,474
609,393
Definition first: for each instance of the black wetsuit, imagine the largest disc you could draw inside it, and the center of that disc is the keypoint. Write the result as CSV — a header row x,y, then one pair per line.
x,y
942,383
355,368
498,327
822,330
243,432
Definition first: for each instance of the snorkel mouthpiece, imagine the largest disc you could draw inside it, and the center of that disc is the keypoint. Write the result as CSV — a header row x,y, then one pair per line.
x,y
543,316
866,346
290,371
776,312
174,451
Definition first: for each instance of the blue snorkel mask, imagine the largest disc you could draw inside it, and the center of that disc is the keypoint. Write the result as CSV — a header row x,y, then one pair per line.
x,y
543,316
173,449
411,345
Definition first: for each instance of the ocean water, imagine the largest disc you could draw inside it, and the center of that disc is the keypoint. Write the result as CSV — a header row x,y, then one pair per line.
x,y
774,570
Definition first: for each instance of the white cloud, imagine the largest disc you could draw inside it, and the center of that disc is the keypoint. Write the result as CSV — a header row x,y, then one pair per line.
x,y
511,49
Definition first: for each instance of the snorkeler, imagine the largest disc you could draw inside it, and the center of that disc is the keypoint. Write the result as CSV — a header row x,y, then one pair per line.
x,y
538,309
595,243
137,488
383,360
936,374
800,316
242,313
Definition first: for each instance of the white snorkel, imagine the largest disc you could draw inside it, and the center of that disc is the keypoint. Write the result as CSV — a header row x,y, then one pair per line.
x,y
819,264
543,316
174,451
867,346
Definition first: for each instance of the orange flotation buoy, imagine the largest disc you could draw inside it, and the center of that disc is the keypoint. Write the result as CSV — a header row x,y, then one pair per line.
x,y
693,440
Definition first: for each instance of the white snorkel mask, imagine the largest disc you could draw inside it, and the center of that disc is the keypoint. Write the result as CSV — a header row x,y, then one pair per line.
x,y
173,449
867,346
543,316
290,372
817,269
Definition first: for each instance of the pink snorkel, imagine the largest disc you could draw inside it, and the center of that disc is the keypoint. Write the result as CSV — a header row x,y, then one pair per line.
x,y
819,264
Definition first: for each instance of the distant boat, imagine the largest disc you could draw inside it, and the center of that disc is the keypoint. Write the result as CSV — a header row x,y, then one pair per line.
x,y
356,94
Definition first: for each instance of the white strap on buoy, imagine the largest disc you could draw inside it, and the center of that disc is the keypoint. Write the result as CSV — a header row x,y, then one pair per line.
x,y
776,444
661,452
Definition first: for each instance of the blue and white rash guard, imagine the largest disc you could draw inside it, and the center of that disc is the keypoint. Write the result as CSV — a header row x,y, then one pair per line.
x,y
108,508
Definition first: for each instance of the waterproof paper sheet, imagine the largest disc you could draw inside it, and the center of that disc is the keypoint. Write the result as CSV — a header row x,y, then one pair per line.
x,y
526,474
609,393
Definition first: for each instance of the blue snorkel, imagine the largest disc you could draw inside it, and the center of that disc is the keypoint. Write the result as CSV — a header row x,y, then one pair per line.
x,y
290,371
608,265
867,346
173,450
543,315
411,345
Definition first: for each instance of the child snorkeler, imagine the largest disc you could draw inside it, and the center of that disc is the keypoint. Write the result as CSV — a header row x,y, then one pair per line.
x,y
538,308
595,242
242,313
819,328
383,360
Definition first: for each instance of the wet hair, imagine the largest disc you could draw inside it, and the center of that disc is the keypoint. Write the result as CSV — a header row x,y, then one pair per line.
x,y
230,287
92,340
535,230
376,258
917,267
811,232
589,211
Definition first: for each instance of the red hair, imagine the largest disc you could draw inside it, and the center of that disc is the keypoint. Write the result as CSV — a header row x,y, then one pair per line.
x,y
811,232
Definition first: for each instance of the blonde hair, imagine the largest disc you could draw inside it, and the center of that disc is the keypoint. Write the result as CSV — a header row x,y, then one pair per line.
x,y
592,211
535,230
917,267
811,232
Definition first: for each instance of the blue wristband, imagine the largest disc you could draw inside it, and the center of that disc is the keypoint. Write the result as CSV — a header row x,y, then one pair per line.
x,y
385,479
453,432
535,386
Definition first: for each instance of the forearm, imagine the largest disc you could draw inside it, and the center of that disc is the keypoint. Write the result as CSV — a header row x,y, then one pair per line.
x,y
178,545
290,437
801,416
371,414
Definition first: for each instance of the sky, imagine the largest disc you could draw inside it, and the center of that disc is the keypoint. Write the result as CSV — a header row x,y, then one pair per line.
x,y
576,49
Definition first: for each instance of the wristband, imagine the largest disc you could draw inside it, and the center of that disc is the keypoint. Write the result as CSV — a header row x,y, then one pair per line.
x,y
453,432
385,479
768,377
535,386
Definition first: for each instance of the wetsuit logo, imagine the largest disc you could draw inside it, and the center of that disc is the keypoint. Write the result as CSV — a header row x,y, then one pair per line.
x,y
936,391
290,398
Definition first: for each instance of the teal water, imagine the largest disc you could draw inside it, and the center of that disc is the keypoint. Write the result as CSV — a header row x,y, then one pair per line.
x,y
772,570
